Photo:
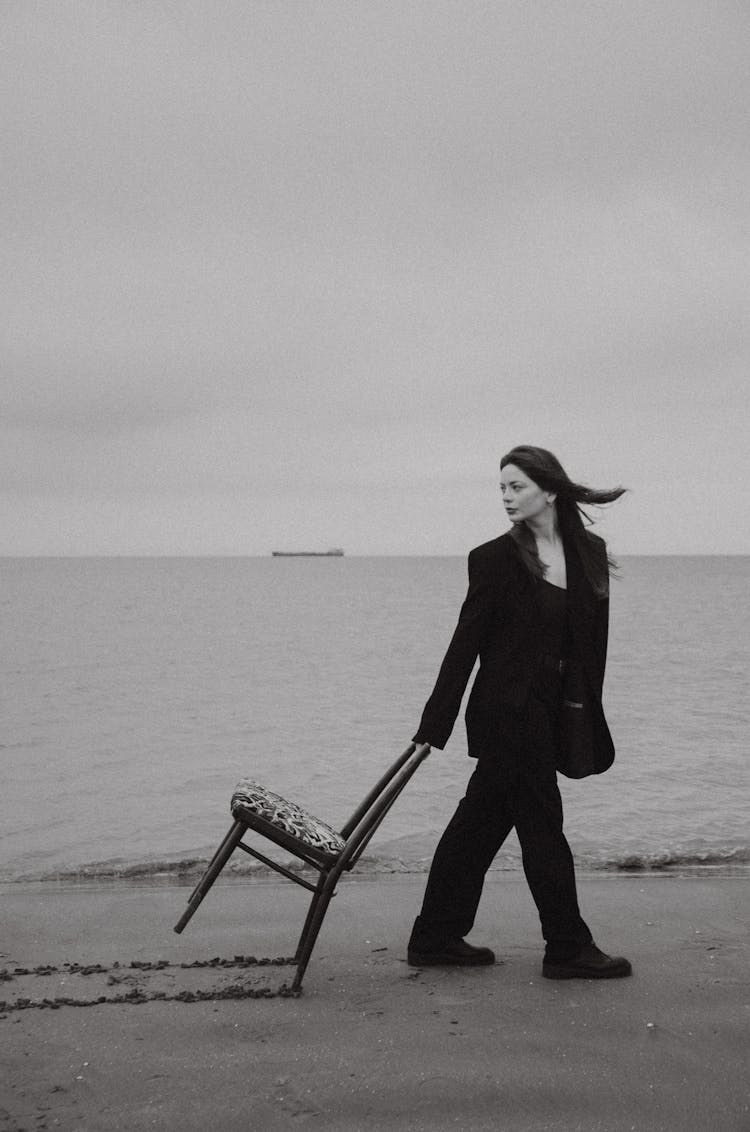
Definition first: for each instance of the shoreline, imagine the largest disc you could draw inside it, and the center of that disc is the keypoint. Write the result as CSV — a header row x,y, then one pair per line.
x,y
372,1044
107,874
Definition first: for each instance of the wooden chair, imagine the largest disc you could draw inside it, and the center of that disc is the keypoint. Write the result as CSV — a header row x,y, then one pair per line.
x,y
328,852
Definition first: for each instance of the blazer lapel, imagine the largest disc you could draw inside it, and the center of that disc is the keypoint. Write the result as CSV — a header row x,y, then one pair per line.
x,y
523,609
581,608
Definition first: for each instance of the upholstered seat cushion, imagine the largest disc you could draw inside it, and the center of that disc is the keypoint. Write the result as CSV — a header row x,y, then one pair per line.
x,y
250,799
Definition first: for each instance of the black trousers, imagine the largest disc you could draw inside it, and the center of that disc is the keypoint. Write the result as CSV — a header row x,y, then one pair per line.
x,y
517,788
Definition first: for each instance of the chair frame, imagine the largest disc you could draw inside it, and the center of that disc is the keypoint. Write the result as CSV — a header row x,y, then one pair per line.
x,y
356,834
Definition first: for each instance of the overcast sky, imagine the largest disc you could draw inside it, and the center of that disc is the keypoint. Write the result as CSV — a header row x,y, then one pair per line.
x,y
297,274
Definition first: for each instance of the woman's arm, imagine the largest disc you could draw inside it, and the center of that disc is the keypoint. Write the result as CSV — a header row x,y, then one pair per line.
x,y
443,706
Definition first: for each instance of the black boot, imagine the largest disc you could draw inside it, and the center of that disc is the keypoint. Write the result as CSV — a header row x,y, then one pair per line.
x,y
589,963
455,953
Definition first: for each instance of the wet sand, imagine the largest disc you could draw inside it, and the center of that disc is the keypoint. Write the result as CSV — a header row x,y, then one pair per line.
x,y
372,1044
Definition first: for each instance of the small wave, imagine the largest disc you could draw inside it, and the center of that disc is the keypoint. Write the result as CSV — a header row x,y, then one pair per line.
x,y
666,859
121,870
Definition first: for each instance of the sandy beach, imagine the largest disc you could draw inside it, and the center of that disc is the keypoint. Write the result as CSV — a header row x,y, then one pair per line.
x,y
371,1044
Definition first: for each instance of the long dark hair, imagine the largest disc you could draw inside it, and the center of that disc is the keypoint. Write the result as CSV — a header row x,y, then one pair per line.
x,y
548,473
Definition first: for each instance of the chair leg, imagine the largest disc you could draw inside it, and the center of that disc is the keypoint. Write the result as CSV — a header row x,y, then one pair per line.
x,y
310,913
312,927
215,858
217,863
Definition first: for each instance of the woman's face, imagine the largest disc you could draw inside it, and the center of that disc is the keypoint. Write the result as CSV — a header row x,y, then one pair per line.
x,y
522,498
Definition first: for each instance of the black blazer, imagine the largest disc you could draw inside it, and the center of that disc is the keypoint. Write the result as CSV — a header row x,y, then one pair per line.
x,y
500,624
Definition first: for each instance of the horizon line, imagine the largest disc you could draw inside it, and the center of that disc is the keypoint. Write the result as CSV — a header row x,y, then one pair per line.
x,y
372,554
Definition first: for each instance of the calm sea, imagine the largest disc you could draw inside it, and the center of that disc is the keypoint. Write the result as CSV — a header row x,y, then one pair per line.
x,y
135,692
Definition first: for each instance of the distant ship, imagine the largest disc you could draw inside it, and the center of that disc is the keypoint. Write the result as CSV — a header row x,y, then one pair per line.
x,y
334,552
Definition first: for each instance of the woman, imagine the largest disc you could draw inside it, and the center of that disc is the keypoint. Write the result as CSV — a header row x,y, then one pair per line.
x,y
536,616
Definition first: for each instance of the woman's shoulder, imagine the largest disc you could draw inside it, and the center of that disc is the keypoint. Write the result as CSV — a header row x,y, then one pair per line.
x,y
497,549
597,542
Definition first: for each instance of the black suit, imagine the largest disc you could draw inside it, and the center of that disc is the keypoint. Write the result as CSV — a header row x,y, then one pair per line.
x,y
511,728
499,624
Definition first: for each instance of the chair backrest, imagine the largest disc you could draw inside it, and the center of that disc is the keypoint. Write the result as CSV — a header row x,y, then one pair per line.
x,y
370,812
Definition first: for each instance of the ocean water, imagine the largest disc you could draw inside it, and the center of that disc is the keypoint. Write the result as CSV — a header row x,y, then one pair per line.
x,y
136,692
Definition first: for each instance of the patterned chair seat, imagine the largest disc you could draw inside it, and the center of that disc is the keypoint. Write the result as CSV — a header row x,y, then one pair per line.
x,y
251,800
